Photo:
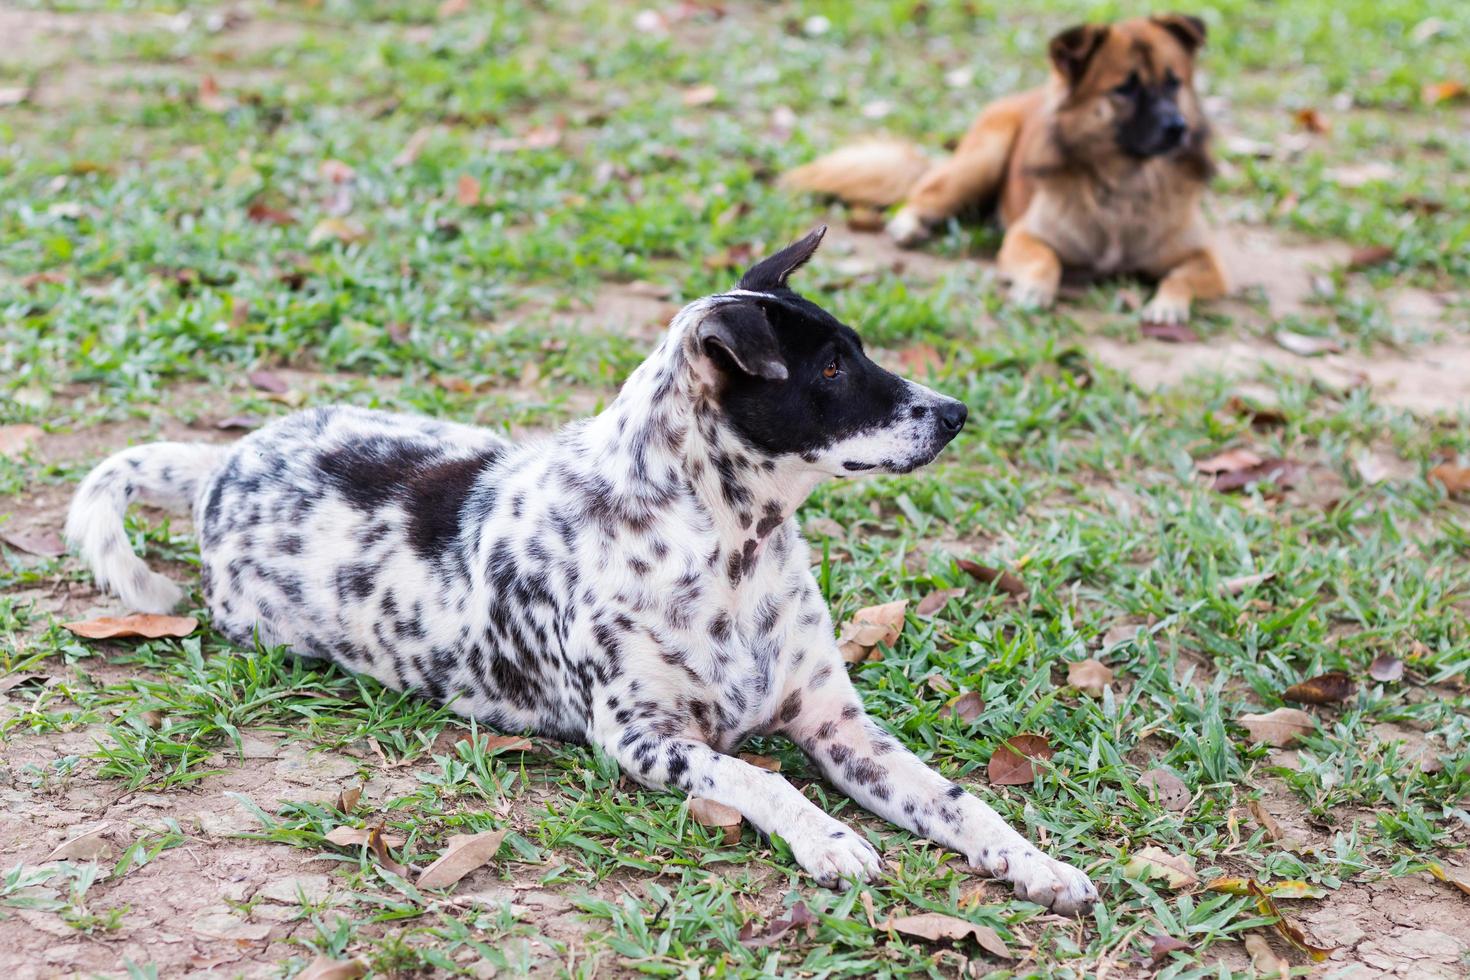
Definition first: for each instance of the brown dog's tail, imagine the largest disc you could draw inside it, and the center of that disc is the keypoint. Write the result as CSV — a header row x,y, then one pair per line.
x,y
877,173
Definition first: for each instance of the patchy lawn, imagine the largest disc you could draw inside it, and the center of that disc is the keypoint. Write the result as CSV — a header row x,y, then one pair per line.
x,y
485,212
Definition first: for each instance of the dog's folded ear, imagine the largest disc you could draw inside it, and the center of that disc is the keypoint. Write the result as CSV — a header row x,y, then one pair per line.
x,y
739,334
1187,29
771,273
1072,50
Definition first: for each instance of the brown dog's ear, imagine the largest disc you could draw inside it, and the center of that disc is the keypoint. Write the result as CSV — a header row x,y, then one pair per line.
x,y
1187,29
1072,50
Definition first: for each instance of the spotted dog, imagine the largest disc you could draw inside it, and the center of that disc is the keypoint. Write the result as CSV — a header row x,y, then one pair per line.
x,y
636,581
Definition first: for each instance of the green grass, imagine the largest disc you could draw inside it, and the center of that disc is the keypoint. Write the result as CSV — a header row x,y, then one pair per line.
x,y
135,288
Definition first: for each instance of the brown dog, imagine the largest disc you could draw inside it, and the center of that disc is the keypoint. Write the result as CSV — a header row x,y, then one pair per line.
x,y
1102,169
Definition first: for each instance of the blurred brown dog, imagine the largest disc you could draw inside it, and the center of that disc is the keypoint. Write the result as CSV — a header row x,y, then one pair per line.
x,y
1103,169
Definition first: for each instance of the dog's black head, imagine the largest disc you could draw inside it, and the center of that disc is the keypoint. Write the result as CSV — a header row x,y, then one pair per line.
x,y
793,381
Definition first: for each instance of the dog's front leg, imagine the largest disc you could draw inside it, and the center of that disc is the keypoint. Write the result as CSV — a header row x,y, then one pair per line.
x,y
1033,269
1198,276
828,722
830,852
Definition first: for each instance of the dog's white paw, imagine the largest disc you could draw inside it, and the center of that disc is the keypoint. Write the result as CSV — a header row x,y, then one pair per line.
x,y
1043,880
832,853
1166,310
907,228
1031,295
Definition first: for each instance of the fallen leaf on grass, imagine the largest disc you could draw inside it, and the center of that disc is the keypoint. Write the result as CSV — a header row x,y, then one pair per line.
x,y
326,968
708,813
1369,256
1165,789
967,707
699,95
268,381
1089,676
1312,121
467,190
347,799
1237,585
336,171
1454,479
1170,333
1386,668
1280,727
1328,688
264,214
344,230
1288,929
1276,889
762,761
1303,345
1160,948
376,841
1176,870
146,625
1438,870
244,422
464,853
1002,579
1266,822
47,544
1433,93
1260,416
870,627
1237,469
10,682
935,926
1013,761
16,439
936,600
755,936
210,98
88,847
1228,461
1264,960
414,147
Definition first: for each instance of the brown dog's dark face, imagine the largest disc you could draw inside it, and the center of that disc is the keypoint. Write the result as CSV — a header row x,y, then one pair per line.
x,y
1130,87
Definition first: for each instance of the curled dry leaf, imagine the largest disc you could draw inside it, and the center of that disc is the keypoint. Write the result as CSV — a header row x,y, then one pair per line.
x,y
936,600
966,708
1433,93
1160,948
1369,256
698,95
1260,416
92,846
268,381
1165,789
326,968
1305,345
1456,880
870,627
1237,469
344,230
753,935
1265,821
1328,688
1089,676
467,190
1312,121
1454,479
1176,870
1169,333
1229,461
1237,585
1276,889
1012,763
16,439
762,761
47,544
1002,579
347,799
1287,928
1280,727
708,813
1264,961
1386,668
464,853
935,926
262,213
149,626
375,840
10,682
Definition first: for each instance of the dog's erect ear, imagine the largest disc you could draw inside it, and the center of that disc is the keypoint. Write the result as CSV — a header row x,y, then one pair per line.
x,y
1072,50
741,332
1187,29
771,273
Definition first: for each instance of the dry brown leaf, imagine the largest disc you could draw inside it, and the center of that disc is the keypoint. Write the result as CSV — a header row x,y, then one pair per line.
x,y
1260,416
326,968
1265,821
762,761
1328,688
10,682
1154,862
1264,961
1438,870
92,846
1169,333
1002,579
1229,461
374,839
1237,585
708,813
344,230
698,95
870,627
246,422
1165,789
268,381
414,147
467,190
463,854
966,708
1237,469
1312,121
1089,676
1161,948
16,439
210,98
1276,889
1454,479
347,799
47,544
752,935
265,214
936,600
1012,762
1304,345
1280,728
1287,928
1433,93
1369,256
1386,668
146,625
935,926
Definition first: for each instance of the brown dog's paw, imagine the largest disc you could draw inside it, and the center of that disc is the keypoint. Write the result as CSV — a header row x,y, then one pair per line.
x,y
907,228
1166,310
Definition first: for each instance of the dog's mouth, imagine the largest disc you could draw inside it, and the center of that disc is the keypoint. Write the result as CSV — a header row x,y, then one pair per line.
x,y
928,427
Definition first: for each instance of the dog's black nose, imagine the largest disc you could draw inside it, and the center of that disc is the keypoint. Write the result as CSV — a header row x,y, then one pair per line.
x,y
952,416
1173,131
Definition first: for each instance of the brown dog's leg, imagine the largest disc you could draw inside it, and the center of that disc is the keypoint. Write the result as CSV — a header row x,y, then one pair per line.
x,y
1032,267
1198,276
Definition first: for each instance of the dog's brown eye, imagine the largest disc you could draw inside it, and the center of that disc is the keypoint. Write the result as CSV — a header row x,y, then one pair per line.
x,y
1129,86
831,370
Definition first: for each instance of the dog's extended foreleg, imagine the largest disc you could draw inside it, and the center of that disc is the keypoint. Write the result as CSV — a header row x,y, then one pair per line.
x,y
829,851
1198,276
872,767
